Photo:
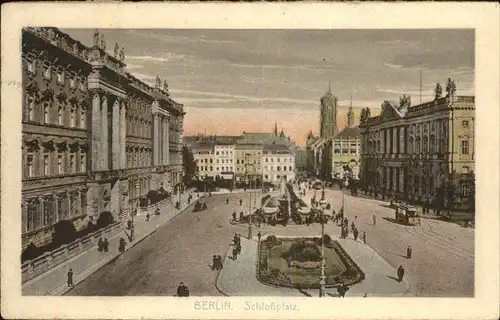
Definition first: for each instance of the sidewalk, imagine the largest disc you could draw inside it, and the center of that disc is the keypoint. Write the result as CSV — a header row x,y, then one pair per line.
x,y
53,282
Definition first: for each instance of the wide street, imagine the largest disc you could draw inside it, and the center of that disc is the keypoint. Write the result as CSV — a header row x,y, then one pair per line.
x,y
442,263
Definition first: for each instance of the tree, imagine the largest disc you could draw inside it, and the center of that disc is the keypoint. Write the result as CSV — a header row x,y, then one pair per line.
x,y
189,164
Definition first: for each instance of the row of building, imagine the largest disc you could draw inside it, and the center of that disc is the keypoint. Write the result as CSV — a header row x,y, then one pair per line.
x,y
94,138
422,153
250,157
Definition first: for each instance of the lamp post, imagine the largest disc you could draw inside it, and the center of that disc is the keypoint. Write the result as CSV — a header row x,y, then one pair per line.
x,y
250,195
322,277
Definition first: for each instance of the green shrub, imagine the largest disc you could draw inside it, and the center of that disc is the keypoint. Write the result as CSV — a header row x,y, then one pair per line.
x,y
64,232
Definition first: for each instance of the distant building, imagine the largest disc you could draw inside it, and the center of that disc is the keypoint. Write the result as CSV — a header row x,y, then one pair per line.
x,y
248,165
278,164
328,115
301,158
346,150
422,153
224,160
204,157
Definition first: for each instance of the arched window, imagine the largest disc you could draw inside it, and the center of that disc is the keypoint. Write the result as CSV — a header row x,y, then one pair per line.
x,y
433,144
417,145
425,148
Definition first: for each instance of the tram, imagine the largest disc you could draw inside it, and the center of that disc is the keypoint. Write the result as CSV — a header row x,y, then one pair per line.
x,y
407,214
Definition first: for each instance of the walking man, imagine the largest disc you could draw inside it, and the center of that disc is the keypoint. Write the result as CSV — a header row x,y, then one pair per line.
x,y
219,263
70,278
401,273
259,235
364,237
214,262
235,253
374,220
408,252
355,232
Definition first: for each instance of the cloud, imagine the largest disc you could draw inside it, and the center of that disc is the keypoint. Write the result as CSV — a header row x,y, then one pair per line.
x,y
166,57
131,66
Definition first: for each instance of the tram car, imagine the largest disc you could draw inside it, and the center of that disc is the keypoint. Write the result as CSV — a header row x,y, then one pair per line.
x,y
407,214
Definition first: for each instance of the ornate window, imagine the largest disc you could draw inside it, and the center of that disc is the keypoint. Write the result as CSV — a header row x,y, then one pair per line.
x,y
72,168
31,67
417,145
60,77
46,170
60,115
465,169
433,144
464,190
48,73
83,117
290,168
284,168
60,167
83,166
465,146
465,124
426,145
46,112
72,117
32,212
29,166
48,212
31,109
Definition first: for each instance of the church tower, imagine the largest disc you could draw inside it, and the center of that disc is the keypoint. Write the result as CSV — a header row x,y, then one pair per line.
x,y
350,116
275,128
328,115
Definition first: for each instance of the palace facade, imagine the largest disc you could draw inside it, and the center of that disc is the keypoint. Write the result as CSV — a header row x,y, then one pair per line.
x,y
95,138
422,153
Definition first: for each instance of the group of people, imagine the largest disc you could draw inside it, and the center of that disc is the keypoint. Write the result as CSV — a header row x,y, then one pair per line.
x,y
182,290
217,262
103,245
236,246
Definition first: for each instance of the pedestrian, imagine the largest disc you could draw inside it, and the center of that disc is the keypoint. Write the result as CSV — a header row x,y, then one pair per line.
x,y
241,202
214,262
408,252
100,245
235,253
374,219
106,245
355,232
147,217
227,200
353,226
364,237
289,261
219,262
259,235
70,278
121,246
401,273
182,290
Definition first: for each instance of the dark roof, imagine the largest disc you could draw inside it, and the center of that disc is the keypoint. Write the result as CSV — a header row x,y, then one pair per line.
x,y
348,132
276,148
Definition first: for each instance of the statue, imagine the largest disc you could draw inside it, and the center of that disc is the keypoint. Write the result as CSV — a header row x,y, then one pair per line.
x,y
96,37
116,50
363,115
450,88
122,54
367,112
103,43
438,91
165,86
158,82
404,102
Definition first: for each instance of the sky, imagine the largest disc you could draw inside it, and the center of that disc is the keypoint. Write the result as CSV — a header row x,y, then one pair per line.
x,y
232,81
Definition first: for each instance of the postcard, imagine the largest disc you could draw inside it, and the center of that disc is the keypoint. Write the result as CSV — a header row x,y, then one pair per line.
x,y
250,161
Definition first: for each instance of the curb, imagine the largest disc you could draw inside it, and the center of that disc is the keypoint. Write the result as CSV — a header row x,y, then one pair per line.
x,y
63,289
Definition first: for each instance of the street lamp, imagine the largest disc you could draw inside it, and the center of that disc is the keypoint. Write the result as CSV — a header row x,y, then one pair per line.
x,y
322,277
250,195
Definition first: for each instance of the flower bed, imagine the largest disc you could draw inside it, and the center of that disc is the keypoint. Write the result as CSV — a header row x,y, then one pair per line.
x,y
273,266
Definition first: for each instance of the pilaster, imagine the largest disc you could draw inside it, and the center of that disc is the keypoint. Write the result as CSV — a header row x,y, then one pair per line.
x,y
96,131
104,135
123,137
116,133
156,141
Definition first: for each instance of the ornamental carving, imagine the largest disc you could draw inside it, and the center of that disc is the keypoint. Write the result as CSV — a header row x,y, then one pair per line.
x,y
62,146
47,95
32,145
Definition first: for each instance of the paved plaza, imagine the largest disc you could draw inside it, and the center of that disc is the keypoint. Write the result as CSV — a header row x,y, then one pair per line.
x,y
442,263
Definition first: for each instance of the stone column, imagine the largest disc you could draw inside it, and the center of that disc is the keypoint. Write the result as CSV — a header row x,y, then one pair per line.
x,y
156,141
96,132
115,136
123,137
165,141
104,135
